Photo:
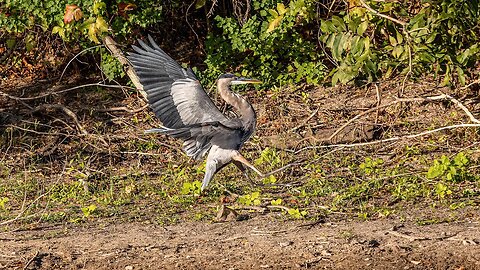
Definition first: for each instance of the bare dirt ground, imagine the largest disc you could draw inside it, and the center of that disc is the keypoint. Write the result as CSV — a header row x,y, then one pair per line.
x,y
47,148
259,243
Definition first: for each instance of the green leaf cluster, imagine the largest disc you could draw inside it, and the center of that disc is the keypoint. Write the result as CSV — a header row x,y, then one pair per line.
x,y
250,199
452,170
271,45
440,37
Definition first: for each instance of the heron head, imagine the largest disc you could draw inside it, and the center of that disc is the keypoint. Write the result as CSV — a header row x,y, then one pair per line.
x,y
232,79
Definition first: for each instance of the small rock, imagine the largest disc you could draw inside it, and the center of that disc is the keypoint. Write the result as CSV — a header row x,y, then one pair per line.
x,y
286,244
128,267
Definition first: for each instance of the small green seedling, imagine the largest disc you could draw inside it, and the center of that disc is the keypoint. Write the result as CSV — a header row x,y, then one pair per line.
x,y
193,188
3,201
89,210
297,214
250,199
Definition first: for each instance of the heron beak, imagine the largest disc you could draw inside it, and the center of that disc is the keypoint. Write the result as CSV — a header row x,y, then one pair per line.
x,y
242,80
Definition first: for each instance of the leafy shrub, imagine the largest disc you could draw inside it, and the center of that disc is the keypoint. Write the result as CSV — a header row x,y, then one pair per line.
x,y
270,45
436,36
452,170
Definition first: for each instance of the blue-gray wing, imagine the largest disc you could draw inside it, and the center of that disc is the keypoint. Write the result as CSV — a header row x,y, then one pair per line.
x,y
179,101
174,94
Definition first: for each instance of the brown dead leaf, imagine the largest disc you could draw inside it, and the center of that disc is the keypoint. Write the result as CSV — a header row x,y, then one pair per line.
x,y
72,12
123,8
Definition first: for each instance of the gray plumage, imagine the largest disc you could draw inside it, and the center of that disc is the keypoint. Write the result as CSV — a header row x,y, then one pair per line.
x,y
187,113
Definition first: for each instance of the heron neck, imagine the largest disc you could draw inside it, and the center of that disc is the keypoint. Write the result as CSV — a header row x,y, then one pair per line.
x,y
245,109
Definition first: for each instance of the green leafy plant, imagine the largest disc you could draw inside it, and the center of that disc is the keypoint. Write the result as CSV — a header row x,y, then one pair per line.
x,y
371,166
297,214
442,190
276,202
193,188
451,170
269,45
350,48
250,199
88,210
3,201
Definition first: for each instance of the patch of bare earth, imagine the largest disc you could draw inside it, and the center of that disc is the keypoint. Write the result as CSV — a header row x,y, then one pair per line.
x,y
103,123
259,243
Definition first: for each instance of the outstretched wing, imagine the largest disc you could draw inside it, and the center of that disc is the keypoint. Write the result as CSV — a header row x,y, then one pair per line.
x,y
199,137
179,101
174,94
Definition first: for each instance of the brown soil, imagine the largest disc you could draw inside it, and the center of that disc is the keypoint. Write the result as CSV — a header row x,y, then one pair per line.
x,y
259,243
286,121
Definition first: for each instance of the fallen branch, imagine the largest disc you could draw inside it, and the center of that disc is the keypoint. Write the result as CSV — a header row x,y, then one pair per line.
x,y
389,139
31,260
112,47
71,60
59,92
66,110
125,109
399,100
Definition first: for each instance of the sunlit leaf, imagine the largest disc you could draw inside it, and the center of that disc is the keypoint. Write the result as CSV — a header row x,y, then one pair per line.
x,y
274,23
281,9
101,24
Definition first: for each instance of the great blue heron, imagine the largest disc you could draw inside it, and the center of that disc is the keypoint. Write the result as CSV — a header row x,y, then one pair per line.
x,y
187,113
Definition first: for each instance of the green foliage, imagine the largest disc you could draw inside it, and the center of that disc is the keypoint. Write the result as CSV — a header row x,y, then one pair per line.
x,y
193,188
276,202
95,17
250,199
442,190
437,38
371,166
297,214
110,65
269,156
350,48
3,201
452,170
88,210
269,45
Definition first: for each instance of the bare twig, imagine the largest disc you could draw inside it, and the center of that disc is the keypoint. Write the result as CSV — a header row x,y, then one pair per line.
x,y
59,92
417,99
31,260
391,139
470,84
284,167
69,62
66,110
306,120
125,109
382,15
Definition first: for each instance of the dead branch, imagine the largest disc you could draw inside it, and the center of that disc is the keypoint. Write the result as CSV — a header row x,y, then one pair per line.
x,y
390,139
112,47
58,92
31,260
123,108
71,60
66,110
399,100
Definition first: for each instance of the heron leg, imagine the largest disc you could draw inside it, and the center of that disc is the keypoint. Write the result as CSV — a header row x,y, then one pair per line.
x,y
239,158
210,169
242,168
